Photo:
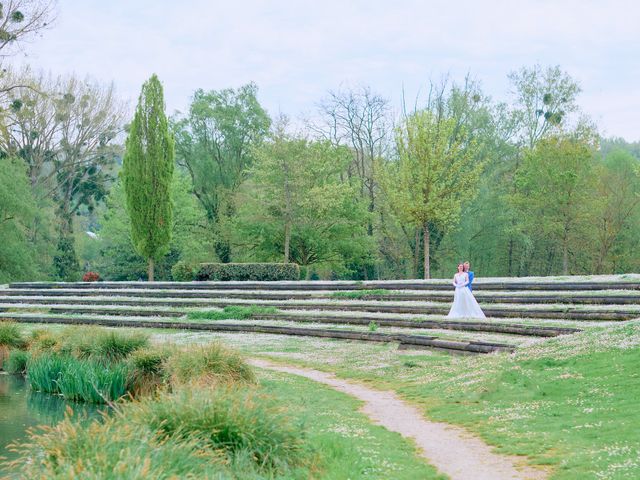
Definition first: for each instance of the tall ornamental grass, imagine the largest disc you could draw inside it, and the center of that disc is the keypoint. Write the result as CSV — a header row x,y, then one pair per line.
x,y
208,364
10,338
237,421
16,363
221,433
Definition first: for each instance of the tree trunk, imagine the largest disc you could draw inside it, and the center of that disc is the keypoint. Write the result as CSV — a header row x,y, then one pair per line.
x,y
565,259
287,240
427,267
150,270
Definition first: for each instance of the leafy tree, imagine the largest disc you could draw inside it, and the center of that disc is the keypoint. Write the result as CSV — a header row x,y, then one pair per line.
x,y
118,259
294,207
23,255
617,210
555,185
147,171
215,143
434,174
65,263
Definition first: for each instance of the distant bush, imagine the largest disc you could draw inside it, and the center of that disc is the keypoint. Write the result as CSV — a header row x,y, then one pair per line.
x,y
183,272
90,277
248,271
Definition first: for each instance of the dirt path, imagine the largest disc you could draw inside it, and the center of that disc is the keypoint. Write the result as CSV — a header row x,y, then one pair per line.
x,y
452,450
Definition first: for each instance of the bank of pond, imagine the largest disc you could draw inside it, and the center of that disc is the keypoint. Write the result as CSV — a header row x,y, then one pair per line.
x,y
166,412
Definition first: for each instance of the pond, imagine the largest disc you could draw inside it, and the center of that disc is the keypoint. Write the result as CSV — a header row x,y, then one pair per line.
x,y
21,409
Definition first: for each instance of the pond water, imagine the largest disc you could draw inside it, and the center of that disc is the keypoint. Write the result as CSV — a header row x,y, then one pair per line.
x,y
21,409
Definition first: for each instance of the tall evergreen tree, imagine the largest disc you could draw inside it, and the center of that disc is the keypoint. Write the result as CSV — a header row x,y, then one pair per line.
x,y
147,172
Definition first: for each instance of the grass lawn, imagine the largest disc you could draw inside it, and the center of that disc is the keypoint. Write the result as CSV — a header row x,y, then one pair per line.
x,y
349,445
570,402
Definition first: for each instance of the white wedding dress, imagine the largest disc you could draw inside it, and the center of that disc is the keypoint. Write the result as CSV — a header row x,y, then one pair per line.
x,y
464,303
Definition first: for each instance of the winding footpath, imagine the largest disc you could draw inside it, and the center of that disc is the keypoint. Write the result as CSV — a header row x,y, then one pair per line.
x,y
452,450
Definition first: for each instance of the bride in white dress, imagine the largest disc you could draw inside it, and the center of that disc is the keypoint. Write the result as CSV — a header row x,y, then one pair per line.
x,y
464,303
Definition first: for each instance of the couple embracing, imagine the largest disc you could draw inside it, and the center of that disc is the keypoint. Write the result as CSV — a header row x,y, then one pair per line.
x,y
464,303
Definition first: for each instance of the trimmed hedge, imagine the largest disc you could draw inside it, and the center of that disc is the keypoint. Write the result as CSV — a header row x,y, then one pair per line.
x,y
248,271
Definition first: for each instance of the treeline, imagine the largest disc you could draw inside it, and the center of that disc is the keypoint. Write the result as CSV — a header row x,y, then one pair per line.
x,y
358,191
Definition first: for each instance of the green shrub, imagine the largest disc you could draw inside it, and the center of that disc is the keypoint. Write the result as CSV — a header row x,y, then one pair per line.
x,y
213,363
236,312
100,344
373,326
147,370
16,363
10,335
183,272
43,341
248,271
235,421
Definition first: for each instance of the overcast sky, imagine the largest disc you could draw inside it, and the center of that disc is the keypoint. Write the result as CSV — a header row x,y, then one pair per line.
x,y
296,50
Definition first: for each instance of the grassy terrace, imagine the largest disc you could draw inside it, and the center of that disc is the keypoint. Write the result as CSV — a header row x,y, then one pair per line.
x,y
567,402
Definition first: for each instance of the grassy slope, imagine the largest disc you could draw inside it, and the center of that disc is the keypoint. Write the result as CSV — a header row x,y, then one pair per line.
x,y
571,402
349,445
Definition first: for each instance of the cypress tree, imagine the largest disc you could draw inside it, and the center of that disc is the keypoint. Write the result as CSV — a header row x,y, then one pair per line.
x,y
147,171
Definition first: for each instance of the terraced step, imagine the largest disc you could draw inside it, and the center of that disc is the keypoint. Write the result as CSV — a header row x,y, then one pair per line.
x,y
558,297
542,312
405,341
479,285
507,328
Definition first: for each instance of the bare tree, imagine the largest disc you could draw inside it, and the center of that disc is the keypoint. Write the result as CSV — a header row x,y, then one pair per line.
x,y
63,128
21,20
358,118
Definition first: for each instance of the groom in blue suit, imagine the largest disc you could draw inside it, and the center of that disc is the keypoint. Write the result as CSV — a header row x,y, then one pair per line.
x,y
467,269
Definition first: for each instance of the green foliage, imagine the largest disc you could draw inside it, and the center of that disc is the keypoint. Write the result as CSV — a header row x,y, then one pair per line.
x,y
231,420
235,312
215,142
76,379
296,206
147,170
216,434
44,370
118,259
436,171
248,271
373,326
92,382
10,335
554,189
183,272
16,363
213,363
65,263
23,255
100,345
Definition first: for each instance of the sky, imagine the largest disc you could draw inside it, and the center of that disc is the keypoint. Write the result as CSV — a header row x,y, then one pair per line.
x,y
296,51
